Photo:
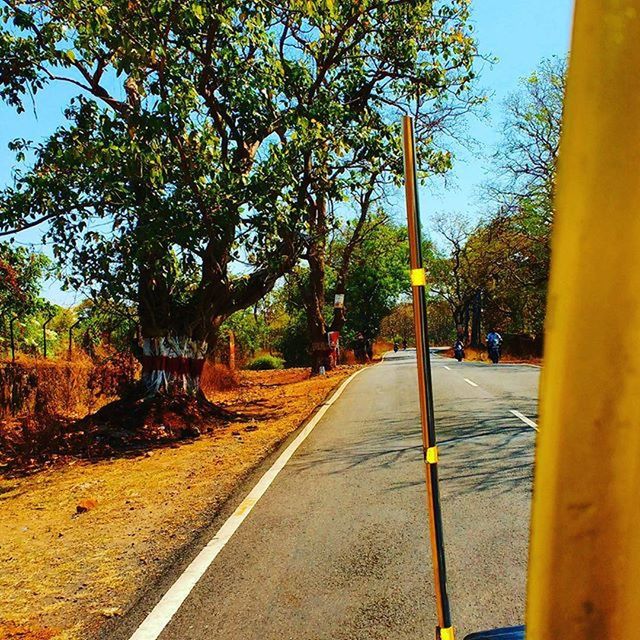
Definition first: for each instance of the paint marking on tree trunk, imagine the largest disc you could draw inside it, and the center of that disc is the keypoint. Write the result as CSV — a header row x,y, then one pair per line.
x,y
471,382
524,419
163,612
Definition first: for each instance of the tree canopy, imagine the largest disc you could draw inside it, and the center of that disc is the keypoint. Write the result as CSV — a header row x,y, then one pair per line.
x,y
21,274
500,267
180,178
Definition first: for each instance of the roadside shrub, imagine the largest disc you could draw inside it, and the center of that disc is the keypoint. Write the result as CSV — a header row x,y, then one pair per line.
x,y
294,343
45,387
218,377
262,363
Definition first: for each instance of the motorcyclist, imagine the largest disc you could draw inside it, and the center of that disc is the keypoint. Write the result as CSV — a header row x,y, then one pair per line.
x,y
458,350
395,346
494,340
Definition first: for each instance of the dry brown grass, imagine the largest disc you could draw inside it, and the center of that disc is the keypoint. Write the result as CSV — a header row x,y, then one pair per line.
x,y
71,572
218,377
14,632
41,402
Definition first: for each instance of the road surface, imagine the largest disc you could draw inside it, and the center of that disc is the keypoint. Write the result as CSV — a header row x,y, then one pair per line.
x,y
337,547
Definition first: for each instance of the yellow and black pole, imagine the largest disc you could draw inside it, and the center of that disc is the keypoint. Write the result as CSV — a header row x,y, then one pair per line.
x,y
444,630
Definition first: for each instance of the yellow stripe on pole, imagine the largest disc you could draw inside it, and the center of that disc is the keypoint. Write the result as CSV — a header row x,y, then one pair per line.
x,y
584,575
448,633
418,278
432,455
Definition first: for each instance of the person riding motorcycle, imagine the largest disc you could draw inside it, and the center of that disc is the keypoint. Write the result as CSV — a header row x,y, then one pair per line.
x,y
458,350
494,340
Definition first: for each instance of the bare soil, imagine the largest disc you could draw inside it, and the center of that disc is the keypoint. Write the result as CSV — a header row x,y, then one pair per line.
x,y
79,540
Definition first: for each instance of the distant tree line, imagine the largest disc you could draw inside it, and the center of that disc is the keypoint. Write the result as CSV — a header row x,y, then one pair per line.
x,y
495,274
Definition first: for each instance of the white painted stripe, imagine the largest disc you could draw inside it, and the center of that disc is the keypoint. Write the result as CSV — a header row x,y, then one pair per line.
x,y
447,368
471,382
161,615
524,419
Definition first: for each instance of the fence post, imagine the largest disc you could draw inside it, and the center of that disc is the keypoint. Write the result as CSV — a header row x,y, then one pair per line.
x,y
13,340
232,350
71,328
44,334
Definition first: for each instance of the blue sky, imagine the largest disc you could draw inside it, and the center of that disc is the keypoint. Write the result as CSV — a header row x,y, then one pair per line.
x,y
518,32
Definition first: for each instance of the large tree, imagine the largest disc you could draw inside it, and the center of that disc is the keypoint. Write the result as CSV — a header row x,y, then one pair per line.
x,y
167,186
515,240
403,57
496,273
377,276
181,179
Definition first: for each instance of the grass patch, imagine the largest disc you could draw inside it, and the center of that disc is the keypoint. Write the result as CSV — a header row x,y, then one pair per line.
x,y
265,363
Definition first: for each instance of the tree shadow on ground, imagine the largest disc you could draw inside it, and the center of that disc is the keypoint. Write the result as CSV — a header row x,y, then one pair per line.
x,y
488,450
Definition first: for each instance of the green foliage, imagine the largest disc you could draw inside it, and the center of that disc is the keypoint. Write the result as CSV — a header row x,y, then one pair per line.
x,y
104,327
184,156
294,342
257,329
378,277
263,363
21,275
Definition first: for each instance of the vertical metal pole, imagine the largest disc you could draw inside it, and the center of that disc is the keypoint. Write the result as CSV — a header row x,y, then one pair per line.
x,y
418,281
44,334
13,340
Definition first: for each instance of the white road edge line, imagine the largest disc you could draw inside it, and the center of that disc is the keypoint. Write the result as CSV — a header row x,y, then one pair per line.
x,y
471,382
163,612
524,419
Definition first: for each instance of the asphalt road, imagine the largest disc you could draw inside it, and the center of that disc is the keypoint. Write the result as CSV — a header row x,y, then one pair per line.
x,y
337,547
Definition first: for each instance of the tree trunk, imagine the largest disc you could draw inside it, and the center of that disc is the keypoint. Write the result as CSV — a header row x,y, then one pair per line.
x,y
461,319
320,352
476,322
172,366
314,297
314,303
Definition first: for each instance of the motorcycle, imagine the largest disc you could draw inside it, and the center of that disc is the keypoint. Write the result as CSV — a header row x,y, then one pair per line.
x,y
458,352
395,347
494,353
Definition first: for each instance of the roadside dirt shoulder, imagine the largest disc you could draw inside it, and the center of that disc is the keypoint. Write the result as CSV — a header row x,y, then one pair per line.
x,y
77,542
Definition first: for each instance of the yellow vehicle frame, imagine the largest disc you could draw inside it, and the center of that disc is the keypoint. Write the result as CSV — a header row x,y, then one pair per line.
x,y
584,565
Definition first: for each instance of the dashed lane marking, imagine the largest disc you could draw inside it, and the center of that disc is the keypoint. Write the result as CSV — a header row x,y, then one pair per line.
x,y
447,368
471,382
524,419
